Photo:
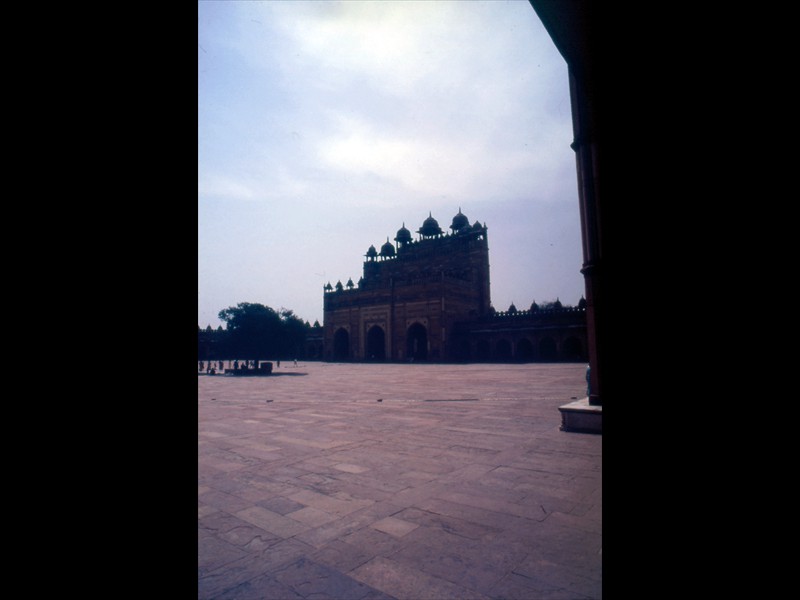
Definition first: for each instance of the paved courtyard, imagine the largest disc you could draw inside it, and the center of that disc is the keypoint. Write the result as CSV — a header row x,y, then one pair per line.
x,y
398,481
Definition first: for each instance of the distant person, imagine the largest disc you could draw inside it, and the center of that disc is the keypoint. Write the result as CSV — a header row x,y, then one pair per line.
x,y
588,380
220,365
295,362
236,364
279,364
200,368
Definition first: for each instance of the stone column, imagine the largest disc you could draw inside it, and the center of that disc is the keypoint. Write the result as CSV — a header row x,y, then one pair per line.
x,y
585,147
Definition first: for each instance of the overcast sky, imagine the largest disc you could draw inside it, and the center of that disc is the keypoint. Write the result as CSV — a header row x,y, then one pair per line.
x,y
323,127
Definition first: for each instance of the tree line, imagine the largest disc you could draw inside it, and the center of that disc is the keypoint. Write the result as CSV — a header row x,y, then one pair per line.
x,y
254,332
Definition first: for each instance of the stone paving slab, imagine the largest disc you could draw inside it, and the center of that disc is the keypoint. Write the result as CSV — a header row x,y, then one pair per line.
x,y
396,481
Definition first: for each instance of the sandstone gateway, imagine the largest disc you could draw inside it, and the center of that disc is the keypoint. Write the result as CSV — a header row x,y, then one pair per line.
x,y
429,300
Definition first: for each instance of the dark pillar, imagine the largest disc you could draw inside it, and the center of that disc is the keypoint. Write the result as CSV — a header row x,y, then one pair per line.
x,y
586,159
574,27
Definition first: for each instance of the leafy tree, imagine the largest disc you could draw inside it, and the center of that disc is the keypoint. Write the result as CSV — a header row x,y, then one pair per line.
x,y
256,332
253,331
551,305
294,334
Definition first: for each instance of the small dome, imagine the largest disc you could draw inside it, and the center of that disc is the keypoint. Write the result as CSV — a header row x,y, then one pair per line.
x,y
476,226
371,253
512,308
430,227
387,249
403,235
459,222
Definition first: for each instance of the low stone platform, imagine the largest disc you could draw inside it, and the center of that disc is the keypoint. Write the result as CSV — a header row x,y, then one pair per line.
x,y
581,417
419,482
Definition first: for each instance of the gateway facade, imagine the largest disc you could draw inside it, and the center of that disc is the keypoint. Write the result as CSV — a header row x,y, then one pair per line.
x,y
429,300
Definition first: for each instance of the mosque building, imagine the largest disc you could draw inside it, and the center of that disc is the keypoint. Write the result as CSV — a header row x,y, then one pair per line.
x,y
428,299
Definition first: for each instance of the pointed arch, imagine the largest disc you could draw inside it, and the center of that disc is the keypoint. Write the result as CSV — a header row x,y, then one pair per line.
x,y
547,349
524,350
376,343
341,345
503,350
483,350
417,342
572,349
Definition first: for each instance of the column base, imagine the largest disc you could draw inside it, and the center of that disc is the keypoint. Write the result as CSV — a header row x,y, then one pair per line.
x,y
581,417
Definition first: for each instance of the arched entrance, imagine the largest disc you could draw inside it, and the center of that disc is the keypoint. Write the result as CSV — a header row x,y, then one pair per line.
x,y
376,344
417,342
524,350
572,349
503,350
341,345
547,349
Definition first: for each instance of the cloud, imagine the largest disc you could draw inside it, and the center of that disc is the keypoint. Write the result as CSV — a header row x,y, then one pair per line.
x,y
417,164
386,44
220,186
415,98
325,125
433,163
